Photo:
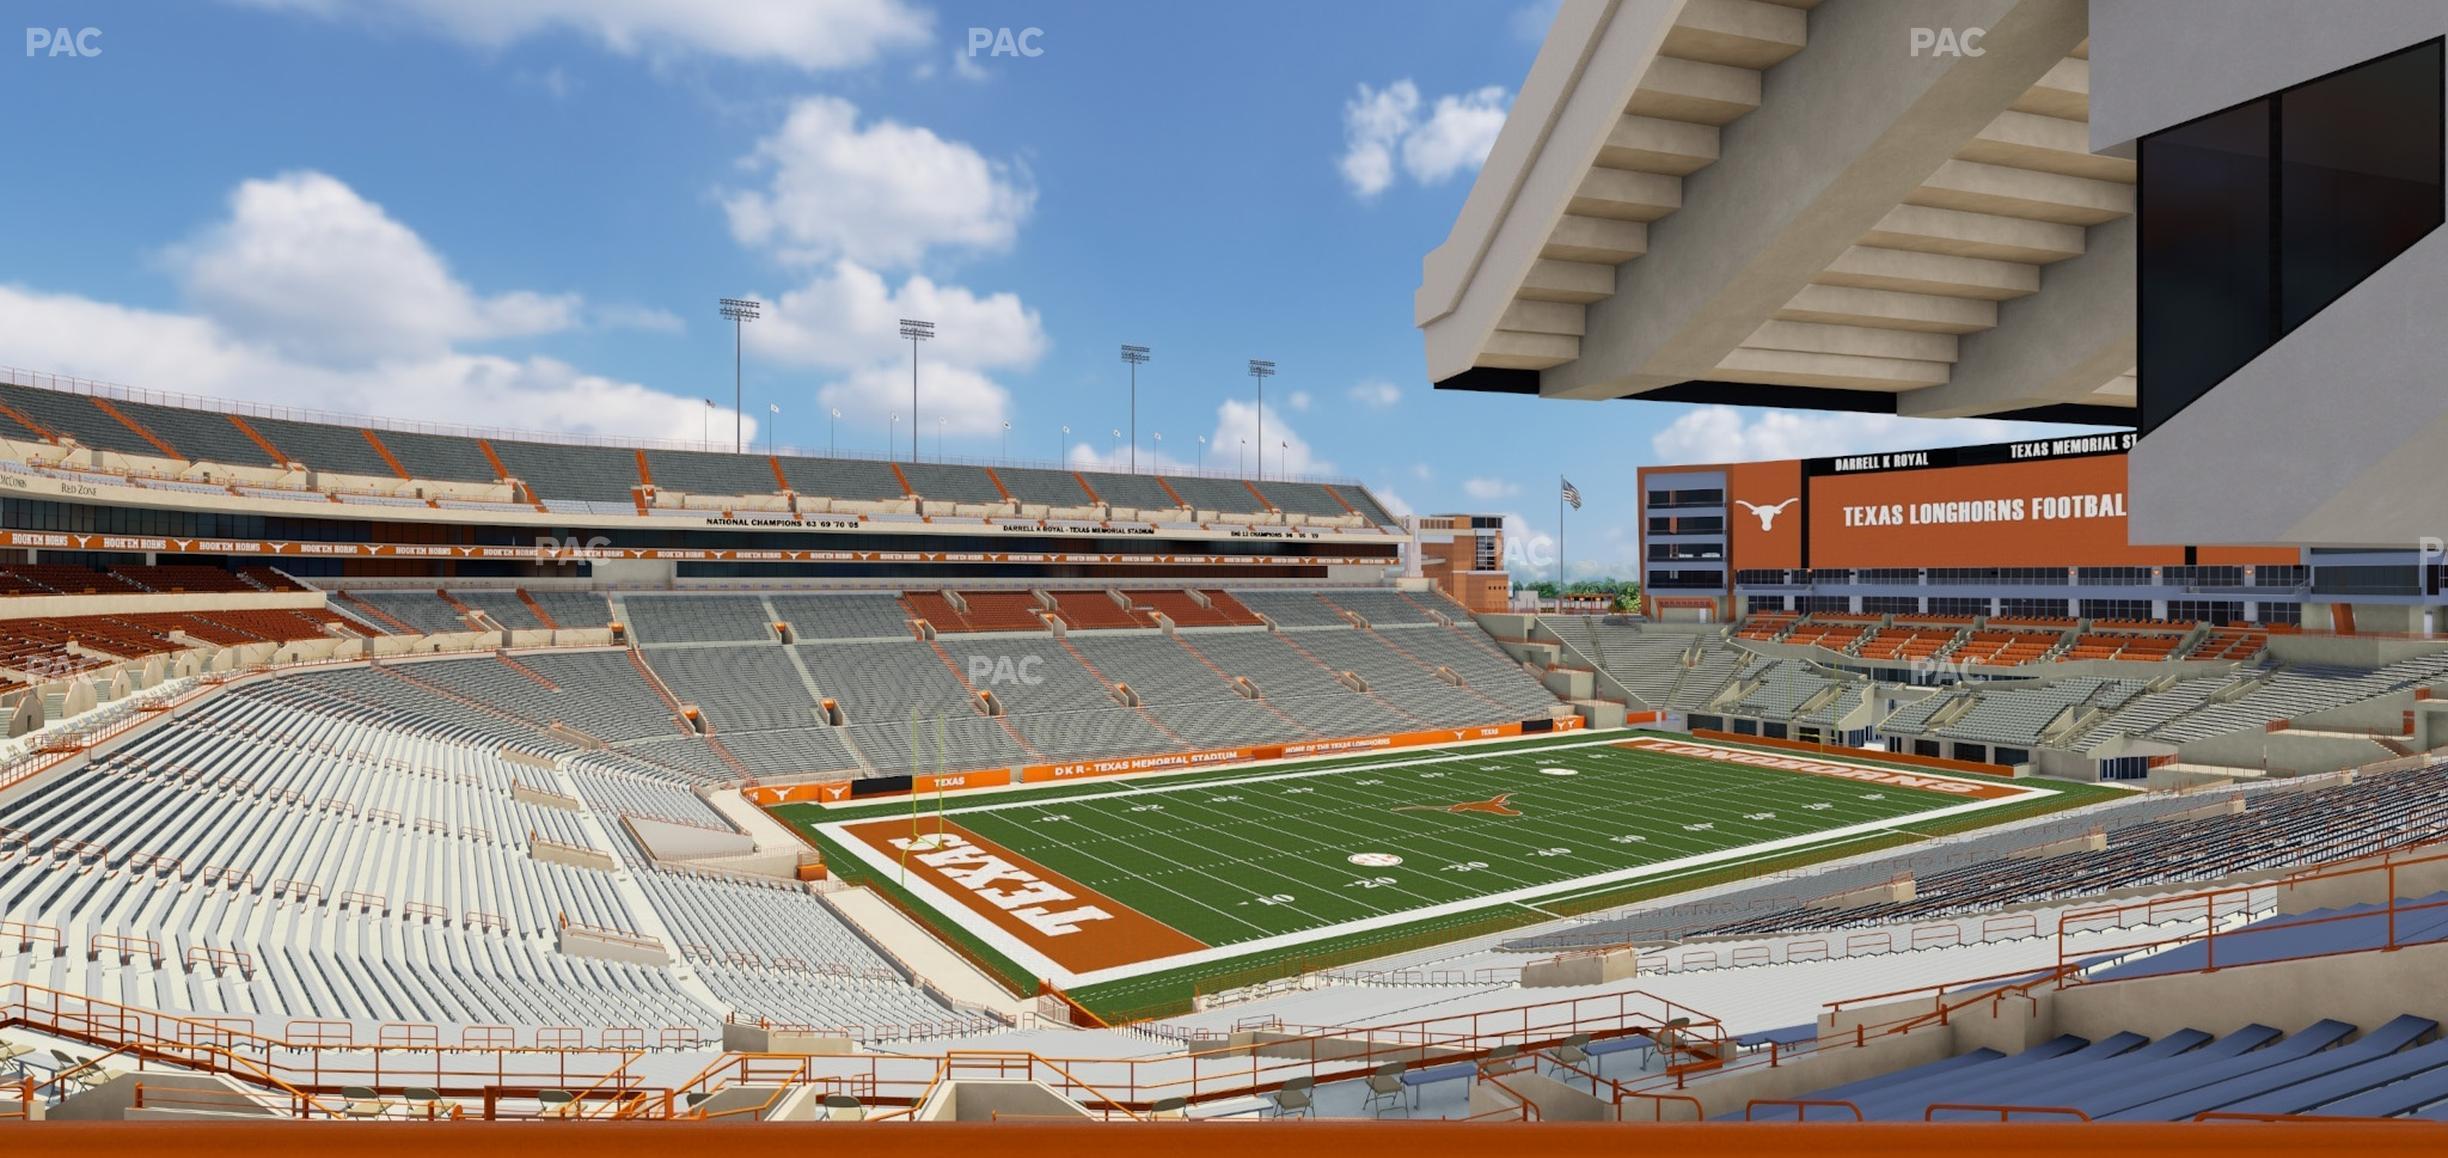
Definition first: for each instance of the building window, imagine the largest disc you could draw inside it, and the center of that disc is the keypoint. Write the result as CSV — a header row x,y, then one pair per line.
x,y
2116,608
2113,576
2367,579
2219,612
2256,217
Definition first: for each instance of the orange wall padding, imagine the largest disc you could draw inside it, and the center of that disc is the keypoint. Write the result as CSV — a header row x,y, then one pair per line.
x,y
1861,753
1295,1138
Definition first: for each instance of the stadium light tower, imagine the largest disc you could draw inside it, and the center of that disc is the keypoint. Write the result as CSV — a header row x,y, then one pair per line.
x,y
1060,444
773,424
741,311
1261,369
1006,454
916,331
1137,356
833,433
1202,454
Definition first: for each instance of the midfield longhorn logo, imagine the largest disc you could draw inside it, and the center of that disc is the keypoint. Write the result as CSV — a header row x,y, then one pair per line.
x,y
1493,806
1767,515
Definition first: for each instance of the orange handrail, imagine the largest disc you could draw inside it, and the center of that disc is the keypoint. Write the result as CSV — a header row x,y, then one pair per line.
x,y
1801,1107
2004,1113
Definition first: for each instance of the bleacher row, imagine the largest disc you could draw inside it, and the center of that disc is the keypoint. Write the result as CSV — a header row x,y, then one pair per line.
x,y
2002,641
2329,1068
606,479
900,704
2081,714
280,853
167,579
42,648
2281,829
2089,714
2153,840
857,693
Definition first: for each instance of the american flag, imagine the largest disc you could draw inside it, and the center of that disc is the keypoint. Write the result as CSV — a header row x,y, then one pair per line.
x,y
1572,494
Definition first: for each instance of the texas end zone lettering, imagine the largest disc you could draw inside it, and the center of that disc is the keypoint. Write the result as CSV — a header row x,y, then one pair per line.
x,y
1000,883
1888,777
1059,918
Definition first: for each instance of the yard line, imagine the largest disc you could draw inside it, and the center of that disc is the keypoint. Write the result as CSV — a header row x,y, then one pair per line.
x,y
1342,868
1676,775
1167,888
1304,883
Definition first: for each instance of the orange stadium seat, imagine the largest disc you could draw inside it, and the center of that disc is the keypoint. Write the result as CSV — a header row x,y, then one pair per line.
x,y
1002,611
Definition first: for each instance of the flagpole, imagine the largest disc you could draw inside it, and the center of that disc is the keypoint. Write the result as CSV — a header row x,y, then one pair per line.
x,y
1560,544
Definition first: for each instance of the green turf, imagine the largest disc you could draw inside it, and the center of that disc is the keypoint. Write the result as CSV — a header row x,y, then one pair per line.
x,y
1176,849
1237,861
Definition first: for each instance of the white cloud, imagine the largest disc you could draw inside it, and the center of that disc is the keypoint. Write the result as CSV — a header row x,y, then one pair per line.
x,y
1531,21
1724,434
1236,428
1420,471
1383,128
1394,504
1457,135
650,319
1373,125
183,352
1377,394
310,296
1299,401
1112,455
1286,452
847,320
305,264
813,35
881,194
1488,489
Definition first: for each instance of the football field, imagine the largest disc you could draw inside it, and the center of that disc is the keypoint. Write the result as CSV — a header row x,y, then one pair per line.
x,y
1096,883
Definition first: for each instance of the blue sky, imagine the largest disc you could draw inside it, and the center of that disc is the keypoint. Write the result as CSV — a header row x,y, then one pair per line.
x,y
519,213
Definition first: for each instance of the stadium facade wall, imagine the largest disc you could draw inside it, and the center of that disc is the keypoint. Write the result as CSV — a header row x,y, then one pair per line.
x,y
831,791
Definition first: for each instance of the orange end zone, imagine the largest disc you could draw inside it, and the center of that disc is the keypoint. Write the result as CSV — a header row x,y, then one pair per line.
x,y
1070,923
1888,777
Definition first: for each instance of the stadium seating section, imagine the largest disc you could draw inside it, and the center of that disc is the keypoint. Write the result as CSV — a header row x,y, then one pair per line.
x,y
570,478
856,693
